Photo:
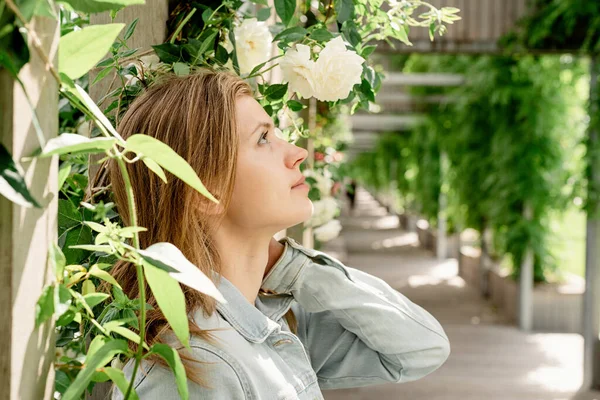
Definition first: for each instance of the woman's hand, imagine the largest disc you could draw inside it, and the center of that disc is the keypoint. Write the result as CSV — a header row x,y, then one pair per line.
x,y
275,251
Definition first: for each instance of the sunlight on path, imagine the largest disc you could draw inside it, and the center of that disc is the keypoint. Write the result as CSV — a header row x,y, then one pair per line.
x,y
490,359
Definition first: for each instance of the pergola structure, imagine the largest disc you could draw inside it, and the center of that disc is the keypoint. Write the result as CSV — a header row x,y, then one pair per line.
x,y
26,370
484,23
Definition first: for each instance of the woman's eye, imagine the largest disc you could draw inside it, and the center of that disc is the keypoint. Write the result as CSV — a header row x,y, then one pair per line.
x,y
264,136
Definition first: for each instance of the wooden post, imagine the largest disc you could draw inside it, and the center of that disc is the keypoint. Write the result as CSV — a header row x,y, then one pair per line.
x,y
526,283
442,239
26,365
484,264
591,298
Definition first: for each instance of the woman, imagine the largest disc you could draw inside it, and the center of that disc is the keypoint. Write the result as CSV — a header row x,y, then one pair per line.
x,y
296,320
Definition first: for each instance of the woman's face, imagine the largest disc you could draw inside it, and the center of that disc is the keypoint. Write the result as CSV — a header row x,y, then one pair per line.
x,y
267,168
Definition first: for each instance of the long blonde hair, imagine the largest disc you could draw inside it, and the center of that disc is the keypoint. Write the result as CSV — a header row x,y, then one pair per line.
x,y
195,115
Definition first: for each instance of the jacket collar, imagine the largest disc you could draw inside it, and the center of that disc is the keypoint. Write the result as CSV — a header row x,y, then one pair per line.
x,y
255,322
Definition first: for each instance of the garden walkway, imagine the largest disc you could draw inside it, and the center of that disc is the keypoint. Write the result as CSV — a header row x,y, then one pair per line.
x,y
490,360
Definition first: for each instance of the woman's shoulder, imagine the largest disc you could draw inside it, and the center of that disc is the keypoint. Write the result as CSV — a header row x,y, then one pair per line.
x,y
213,355
222,378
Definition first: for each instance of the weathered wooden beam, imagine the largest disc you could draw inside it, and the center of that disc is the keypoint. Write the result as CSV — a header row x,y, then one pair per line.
x,y
26,365
591,298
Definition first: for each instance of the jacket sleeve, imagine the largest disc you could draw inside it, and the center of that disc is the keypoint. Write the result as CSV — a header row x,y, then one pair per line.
x,y
357,330
158,383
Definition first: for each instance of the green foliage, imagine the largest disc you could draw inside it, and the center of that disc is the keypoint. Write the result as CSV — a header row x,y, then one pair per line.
x,y
80,50
513,136
559,25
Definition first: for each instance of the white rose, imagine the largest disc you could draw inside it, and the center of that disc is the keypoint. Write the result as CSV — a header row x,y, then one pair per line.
x,y
329,231
298,69
336,71
253,44
324,210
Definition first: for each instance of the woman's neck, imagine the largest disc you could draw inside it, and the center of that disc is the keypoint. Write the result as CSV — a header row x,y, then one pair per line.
x,y
246,258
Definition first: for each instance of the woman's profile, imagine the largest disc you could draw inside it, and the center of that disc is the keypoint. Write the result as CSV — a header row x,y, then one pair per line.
x,y
296,320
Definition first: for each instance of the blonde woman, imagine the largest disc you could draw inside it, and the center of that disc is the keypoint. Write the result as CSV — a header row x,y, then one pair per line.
x,y
296,320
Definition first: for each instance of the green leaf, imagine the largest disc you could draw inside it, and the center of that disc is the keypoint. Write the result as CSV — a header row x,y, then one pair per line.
x,y
105,276
208,43
154,167
181,69
96,226
402,35
61,381
321,35
263,14
68,216
63,173
99,359
169,258
118,377
167,158
62,299
351,34
167,52
76,237
93,299
106,62
58,261
87,287
44,307
344,10
80,50
96,344
276,91
291,34
261,2
103,248
81,301
71,142
130,29
285,9
257,68
66,318
126,333
97,6
170,299
295,105
12,182
87,101
367,50
103,74
365,88
172,358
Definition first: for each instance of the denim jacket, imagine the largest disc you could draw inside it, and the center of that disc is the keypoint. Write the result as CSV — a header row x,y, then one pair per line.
x,y
353,330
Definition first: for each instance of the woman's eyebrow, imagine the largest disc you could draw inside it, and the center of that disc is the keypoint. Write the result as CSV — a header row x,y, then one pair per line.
x,y
263,124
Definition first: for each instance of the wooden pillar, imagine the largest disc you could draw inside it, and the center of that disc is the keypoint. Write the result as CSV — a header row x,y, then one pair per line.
x,y
591,298
442,239
484,264
26,365
526,283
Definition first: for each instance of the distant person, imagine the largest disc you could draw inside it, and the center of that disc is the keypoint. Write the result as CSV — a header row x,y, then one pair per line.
x,y
351,193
